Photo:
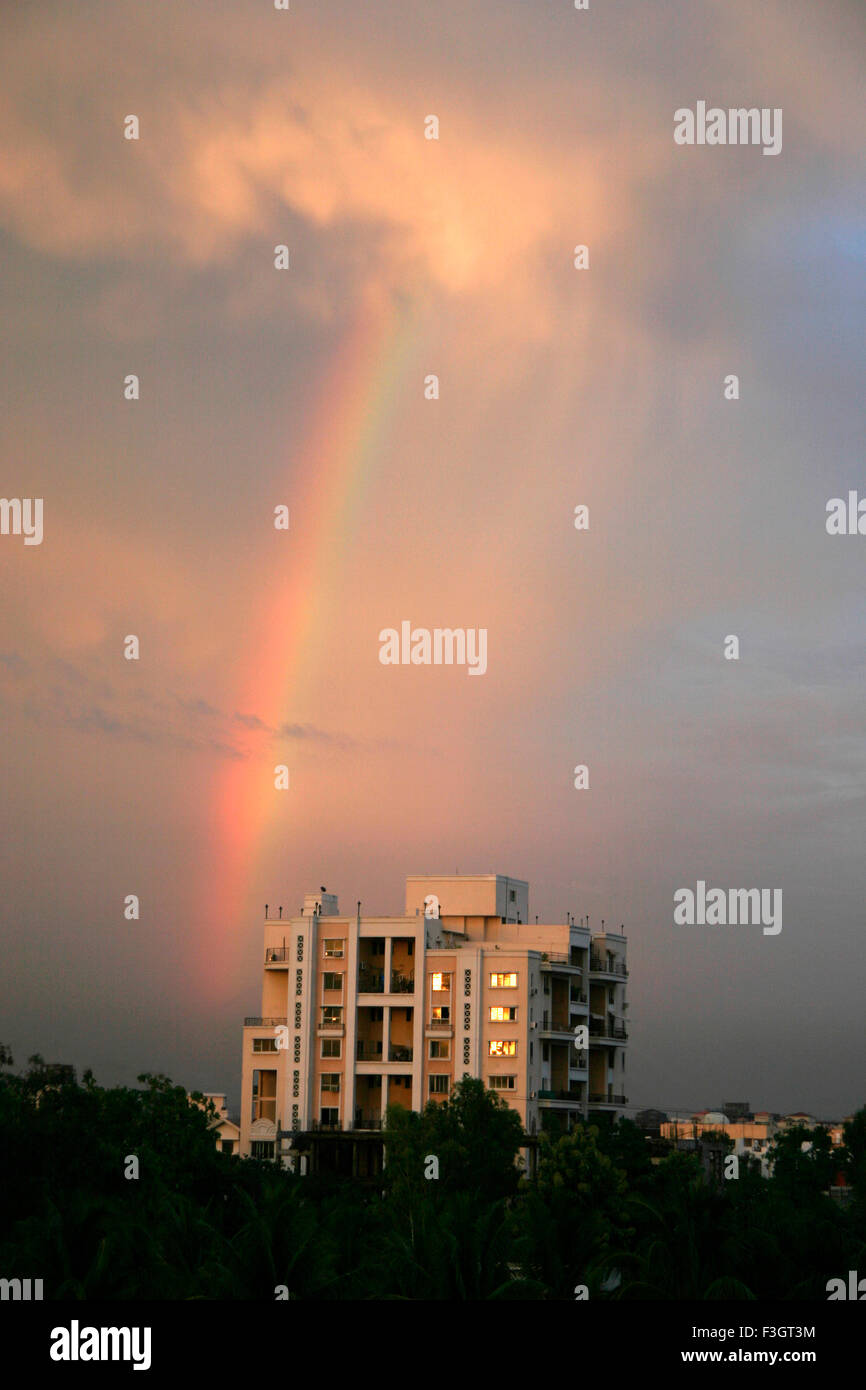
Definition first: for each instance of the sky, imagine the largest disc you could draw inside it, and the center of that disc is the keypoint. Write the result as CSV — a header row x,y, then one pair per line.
x,y
305,388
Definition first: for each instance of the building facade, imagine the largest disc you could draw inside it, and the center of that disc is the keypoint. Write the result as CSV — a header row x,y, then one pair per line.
x,y
359,1013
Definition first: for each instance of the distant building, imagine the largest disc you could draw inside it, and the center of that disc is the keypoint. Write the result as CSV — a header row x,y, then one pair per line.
x,y
751,1138
650,1121
226,1133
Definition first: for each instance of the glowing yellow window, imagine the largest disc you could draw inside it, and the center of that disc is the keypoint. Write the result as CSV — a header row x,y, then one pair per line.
x,y
501,1048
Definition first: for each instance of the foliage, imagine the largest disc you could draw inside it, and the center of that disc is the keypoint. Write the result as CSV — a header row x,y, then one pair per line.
x,y
198,1224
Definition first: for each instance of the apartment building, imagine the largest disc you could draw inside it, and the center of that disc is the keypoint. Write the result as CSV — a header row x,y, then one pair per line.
x,y
359,1013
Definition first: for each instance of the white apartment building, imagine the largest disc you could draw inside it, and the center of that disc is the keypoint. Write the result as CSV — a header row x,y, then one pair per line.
x,y
359,1013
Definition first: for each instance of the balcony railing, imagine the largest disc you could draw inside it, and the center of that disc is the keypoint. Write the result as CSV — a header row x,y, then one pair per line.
x,y
398,1053
440,1023
571,958
602,1098
264,1022
605,1030
369,1051
276,954
558,1024
578,996
573,1094
600,966
402,984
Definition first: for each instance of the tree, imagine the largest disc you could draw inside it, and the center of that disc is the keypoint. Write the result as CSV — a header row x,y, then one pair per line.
x,y
474,1135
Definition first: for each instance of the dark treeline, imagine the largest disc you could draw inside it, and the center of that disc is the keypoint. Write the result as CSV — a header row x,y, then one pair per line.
x,y
197,1223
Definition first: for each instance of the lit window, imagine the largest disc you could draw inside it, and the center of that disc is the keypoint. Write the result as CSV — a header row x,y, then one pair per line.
x,y
442,1013
332,1016
334,947
441,981
501,1048
504,981
501,1013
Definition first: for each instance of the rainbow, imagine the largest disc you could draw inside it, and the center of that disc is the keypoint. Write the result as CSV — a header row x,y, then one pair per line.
x,y
334,469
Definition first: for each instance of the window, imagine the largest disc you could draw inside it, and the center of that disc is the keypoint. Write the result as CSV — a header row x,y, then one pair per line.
x,y
441,981
264,1044
376,1014
332,1016
501,1013
332,980
439,1085
334,947
330,1117
330,1081
227,1146
512,896
545,1052
501,1048
442,1013
264,1105
332,1047
440,1048
263,1148
501,1083
504,981
611,996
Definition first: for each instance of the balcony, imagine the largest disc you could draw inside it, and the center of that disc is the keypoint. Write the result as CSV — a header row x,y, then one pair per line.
x,y
556,960
600,966
608,1032
361,1122
439,1028
573,1094
559,1024
370,980
398,1053
278,957
402,984
369,1051
332,1025
609,1098
264,1022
